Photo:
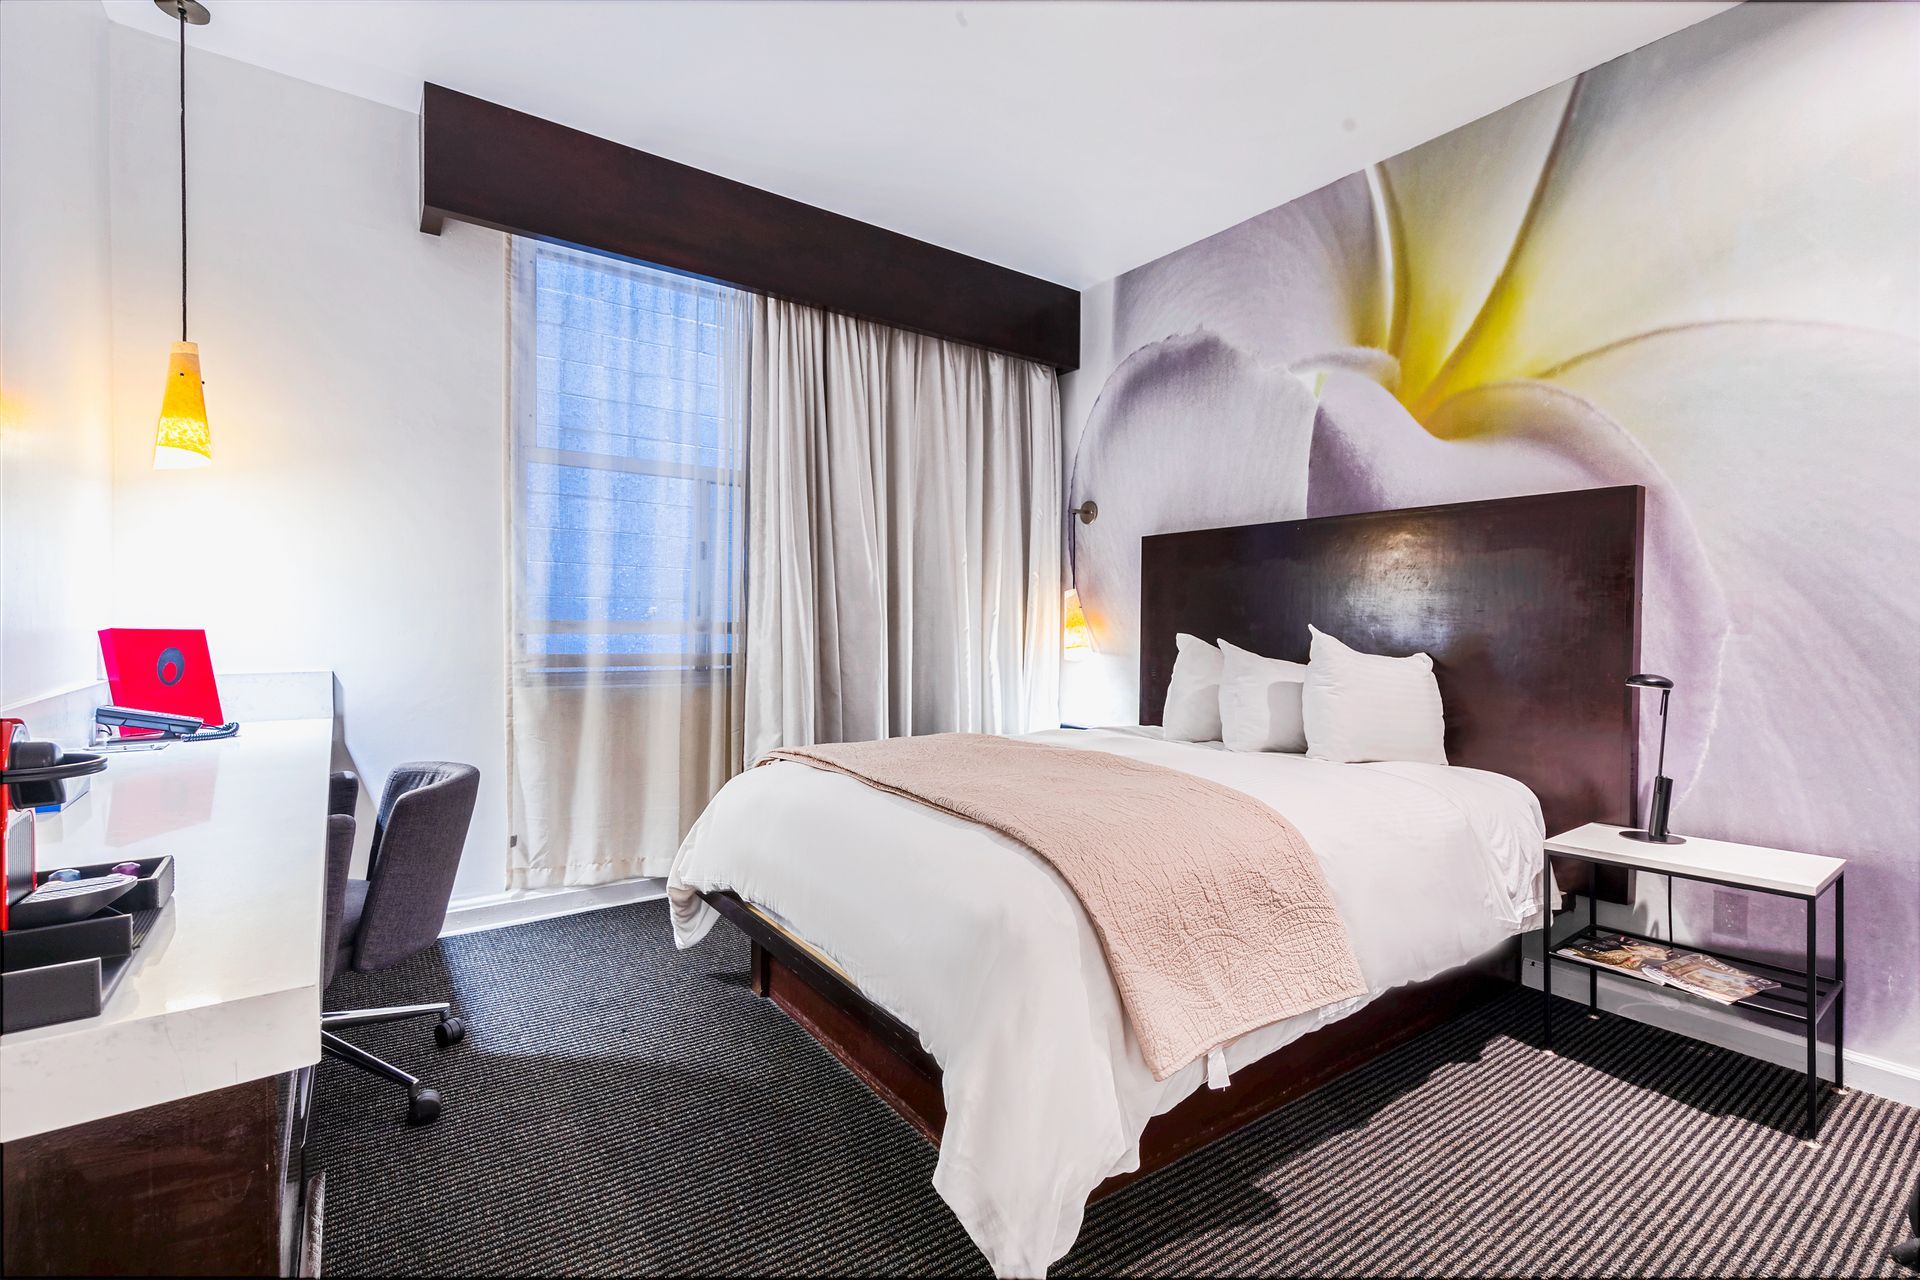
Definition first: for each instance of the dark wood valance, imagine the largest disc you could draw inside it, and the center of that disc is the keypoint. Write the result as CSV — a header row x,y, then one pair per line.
x,y
487,164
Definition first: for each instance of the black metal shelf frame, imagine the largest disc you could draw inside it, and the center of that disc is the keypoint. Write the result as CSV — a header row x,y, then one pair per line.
x,y
1805,997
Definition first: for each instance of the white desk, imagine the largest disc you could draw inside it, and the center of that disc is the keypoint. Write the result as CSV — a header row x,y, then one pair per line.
x,y
227,987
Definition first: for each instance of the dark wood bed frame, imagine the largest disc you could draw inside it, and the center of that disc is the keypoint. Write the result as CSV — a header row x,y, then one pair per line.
x,y
1530,608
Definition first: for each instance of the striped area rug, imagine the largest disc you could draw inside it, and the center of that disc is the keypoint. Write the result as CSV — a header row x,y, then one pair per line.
x,y
620,1108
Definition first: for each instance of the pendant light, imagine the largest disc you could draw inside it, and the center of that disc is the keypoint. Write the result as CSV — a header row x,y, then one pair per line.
x,y
182,439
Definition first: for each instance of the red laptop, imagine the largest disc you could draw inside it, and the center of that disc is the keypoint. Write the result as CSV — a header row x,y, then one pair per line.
x,y
161,669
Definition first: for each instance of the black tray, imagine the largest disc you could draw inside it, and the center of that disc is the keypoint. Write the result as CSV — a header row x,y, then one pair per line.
x,y
149,893
59,992
60,972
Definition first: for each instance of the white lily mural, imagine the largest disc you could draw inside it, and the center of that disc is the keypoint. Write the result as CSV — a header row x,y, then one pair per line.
x,y
1696,268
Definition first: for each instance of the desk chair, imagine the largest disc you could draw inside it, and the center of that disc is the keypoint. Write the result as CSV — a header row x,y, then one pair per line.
x,y
1907,1252
399,908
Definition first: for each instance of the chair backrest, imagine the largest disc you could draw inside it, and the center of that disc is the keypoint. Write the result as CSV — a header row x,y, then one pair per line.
x,y
417,839
343,792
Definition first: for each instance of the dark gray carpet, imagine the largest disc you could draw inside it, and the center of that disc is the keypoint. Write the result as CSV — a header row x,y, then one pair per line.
x,y
620,1108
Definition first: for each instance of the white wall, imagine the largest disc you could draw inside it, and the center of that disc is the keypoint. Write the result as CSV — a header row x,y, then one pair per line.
x,y
1100,688
353,516
55,473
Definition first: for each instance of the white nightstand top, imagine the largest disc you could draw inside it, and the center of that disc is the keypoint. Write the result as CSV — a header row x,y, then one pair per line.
x,y
1746,865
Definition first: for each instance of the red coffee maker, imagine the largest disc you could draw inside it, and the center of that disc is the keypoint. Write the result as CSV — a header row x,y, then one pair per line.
x,y
31,773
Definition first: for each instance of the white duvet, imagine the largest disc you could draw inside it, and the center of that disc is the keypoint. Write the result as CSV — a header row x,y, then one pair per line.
x,y
976,943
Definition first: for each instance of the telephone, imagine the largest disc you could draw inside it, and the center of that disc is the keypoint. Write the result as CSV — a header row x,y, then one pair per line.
x,y
177,728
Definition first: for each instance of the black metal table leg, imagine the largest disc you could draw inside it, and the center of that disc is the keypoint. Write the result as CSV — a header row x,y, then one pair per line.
x,y
1546,955
1813,1030
1593,922
1840,975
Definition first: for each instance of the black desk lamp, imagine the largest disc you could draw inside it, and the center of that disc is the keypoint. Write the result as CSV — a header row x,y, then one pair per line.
x,y
1656,829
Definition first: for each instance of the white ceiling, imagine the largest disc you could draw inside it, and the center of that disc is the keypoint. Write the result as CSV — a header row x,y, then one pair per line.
x,y
1072,141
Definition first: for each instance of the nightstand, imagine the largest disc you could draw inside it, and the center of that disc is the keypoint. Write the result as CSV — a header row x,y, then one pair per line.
x,y
1805,997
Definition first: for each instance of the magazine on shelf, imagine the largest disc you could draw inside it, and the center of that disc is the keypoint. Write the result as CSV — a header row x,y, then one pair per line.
x,y
1662,965
1617,951
1714,979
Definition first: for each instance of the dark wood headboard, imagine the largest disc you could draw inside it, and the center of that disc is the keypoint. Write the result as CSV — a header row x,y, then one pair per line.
x,y
1529,606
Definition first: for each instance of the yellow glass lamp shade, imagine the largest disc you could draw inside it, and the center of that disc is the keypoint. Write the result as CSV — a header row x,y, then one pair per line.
x,y
182,438
1076,639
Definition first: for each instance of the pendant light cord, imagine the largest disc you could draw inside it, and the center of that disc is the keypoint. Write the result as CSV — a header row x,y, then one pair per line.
x,y
183,174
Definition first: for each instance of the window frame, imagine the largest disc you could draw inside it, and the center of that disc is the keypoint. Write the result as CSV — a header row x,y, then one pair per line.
x,y
524,451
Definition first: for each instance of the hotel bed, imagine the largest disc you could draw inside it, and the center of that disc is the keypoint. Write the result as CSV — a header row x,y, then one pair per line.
x,y
955,971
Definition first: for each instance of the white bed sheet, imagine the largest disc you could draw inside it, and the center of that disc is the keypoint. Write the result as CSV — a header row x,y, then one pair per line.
x,y
977,944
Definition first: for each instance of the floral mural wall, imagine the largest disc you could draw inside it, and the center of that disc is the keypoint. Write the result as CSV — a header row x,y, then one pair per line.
x,y
1695,268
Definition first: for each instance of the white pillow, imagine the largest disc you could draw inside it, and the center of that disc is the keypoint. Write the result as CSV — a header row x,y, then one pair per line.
x,y
1192,713
1362,706
1260,702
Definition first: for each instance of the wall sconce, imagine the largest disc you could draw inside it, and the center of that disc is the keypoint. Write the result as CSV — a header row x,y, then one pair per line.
x,y
1076,638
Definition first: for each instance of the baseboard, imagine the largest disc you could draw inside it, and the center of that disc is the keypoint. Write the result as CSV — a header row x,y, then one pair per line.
x,y
496,911
1647,1004
64,716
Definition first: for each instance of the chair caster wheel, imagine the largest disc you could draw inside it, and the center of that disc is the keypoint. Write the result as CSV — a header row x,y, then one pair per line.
x,y
423,1105
449,1031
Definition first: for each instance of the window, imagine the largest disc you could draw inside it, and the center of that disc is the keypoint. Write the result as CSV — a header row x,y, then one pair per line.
x,y
627,466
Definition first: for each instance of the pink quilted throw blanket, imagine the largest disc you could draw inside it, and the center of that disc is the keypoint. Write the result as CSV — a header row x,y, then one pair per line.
x,y
1213,912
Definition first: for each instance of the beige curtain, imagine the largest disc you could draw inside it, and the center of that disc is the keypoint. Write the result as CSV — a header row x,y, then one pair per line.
x,y
904,543
626,562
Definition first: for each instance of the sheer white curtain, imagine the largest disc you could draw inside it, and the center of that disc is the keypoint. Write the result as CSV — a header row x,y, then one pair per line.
x,y
627,555
906,515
